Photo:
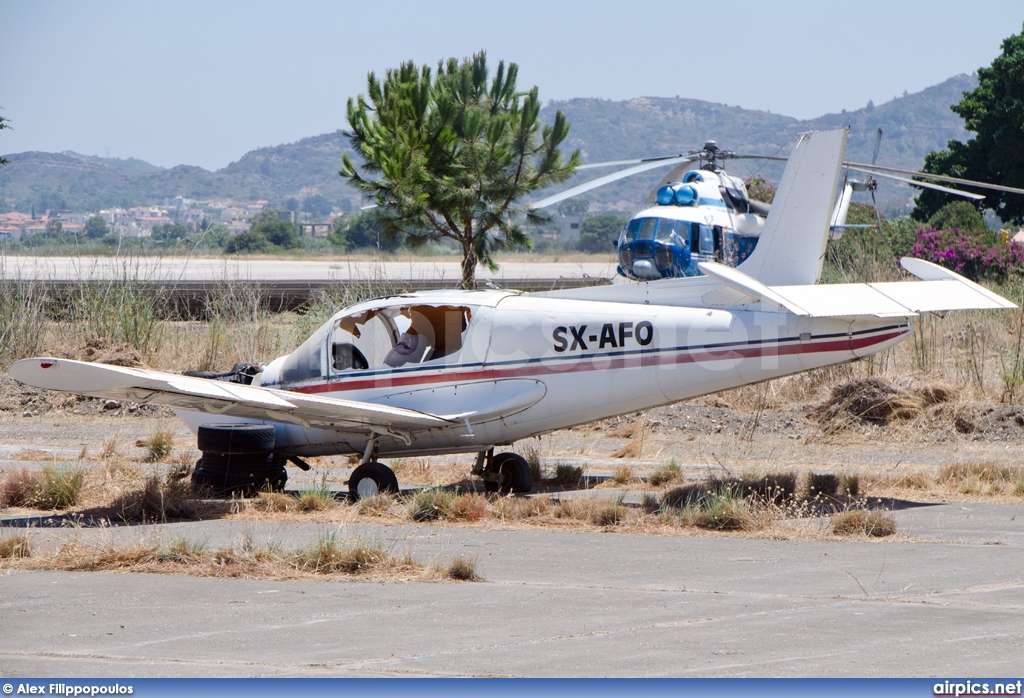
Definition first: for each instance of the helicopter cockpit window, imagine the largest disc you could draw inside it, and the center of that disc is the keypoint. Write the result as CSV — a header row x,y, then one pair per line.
x,y
647,228
707,240
630,231
398,336
674,232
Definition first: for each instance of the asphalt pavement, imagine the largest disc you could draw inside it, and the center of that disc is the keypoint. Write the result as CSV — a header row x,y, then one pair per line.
x,y
945,599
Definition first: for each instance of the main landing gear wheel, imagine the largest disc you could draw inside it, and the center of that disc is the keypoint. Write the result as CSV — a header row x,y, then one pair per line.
x,y
370,479
514,474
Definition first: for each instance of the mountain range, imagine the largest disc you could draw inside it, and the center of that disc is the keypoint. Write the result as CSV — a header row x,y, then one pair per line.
x,y
913,125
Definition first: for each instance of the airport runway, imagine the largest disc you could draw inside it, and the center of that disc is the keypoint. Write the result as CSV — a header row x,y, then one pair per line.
x,y
948,602
184,268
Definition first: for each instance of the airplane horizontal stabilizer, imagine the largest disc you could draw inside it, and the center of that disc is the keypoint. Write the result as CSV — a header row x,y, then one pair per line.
x,y
941,290
216,397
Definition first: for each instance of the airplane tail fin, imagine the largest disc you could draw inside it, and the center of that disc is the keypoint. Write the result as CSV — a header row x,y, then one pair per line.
x,y
785,254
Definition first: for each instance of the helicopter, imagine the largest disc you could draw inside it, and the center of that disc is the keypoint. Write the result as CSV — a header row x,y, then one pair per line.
x,y
700,213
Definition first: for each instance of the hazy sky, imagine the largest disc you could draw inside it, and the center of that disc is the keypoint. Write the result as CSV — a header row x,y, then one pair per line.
x,y
202,83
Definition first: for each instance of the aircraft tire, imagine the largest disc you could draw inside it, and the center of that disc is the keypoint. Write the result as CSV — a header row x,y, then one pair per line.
x,y
242,480
374,477
220,463
516,475
236,439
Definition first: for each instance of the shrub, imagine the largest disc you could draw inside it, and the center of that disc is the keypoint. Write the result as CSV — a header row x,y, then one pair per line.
x,y
875,524
60,487
567,475
13,547
822,484
158,446
665,474
462,569
968,254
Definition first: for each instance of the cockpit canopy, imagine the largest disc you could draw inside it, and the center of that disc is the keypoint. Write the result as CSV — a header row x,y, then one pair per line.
x,y
380,338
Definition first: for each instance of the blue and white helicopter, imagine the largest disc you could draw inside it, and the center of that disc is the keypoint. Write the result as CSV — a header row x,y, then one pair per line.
x,y
700,213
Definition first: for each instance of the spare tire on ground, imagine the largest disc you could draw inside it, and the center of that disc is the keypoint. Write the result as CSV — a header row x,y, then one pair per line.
x,y
236,438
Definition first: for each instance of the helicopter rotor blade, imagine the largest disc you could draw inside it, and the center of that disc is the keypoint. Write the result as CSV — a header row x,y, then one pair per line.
x,y
634,161
608,179
879,170
874,203
878,142
916,183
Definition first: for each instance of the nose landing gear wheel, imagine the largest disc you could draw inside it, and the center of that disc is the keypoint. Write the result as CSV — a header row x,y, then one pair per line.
x,y
514,474
370,479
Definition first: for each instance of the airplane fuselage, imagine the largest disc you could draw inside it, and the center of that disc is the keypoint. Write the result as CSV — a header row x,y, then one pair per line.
x,y
530,365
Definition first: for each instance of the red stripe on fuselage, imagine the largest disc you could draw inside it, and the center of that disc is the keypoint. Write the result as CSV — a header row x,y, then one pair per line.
x,y
598,363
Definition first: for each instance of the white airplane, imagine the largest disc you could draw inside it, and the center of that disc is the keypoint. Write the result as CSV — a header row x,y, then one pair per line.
x,y
446,372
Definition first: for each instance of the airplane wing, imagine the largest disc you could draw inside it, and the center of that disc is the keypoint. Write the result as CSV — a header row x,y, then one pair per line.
x,y
939,290
216,397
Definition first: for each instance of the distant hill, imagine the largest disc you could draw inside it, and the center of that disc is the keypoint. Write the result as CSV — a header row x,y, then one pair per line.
x,y
913,124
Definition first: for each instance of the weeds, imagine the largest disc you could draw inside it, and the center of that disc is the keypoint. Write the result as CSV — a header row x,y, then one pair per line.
x,y
462,569
159,500
439,504
15,547
158,446
54,487
665,474
622,475
874,524
567,475
317,497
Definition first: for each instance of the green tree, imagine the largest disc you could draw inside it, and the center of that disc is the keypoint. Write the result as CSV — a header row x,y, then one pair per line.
x,y
317,206
95,228
994,111
170,234
275,227
961,215
599,233
574,207
451,156
215,235
248,243
361,231
54,229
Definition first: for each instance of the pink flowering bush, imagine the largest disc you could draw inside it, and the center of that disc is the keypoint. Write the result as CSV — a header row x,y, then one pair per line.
x,y
968,255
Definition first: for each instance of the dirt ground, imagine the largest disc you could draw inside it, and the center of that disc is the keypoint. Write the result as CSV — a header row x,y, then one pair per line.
x,y
737,431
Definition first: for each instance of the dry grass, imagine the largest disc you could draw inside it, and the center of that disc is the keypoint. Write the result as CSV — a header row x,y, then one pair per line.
x,y
462,569
53,487
327,557
15,547
275,502
161,499
158,446
447,505
623,475
634,449
567,475
862,522
665,474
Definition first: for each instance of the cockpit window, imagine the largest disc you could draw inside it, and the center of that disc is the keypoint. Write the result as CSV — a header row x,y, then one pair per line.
x,y
305,362
397,336
631,229
647,228
674,232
